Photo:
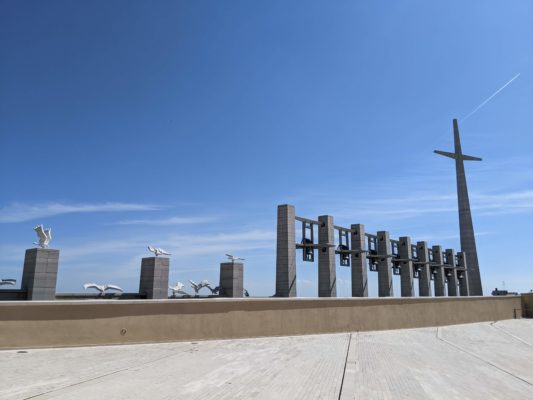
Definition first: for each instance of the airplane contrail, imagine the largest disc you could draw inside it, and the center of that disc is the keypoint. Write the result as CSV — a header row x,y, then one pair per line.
x,y
490,97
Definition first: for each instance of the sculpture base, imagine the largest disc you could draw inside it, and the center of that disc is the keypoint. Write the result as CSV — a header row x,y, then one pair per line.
x,y
154,277
231,279
39,277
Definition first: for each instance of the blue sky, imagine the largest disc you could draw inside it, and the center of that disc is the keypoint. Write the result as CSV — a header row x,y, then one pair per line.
x,y
183,124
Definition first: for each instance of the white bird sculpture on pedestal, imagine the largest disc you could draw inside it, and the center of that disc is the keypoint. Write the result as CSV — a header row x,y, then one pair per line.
x,y
178,289
157,251
44,235
233,258
102,288
198,286
8,282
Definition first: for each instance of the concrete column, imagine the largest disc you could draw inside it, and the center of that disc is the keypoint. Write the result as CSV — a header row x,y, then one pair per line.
x,y
154,277
231,279
440,278
406,273
452,279
286,252
327,276
464,288
384,265
39,277
359,270
424,281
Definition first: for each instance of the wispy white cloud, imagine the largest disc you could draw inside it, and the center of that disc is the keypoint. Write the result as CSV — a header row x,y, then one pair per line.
x,y
168,221
19,212
178,245
409,207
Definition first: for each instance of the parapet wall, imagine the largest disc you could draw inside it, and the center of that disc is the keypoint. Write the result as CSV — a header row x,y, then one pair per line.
x,y
103,322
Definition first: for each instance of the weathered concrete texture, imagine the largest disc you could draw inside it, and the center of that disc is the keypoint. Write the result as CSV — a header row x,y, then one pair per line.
x,y
424,281
358,259
440,277
468,239
462,274
384,265
154,277
475,361
453,289
527,305
39,277
231,279
286,252
327,274
406,277
92,322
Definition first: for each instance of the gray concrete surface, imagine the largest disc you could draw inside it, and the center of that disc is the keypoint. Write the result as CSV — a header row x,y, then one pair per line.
x,y
39,276
474,361
154,277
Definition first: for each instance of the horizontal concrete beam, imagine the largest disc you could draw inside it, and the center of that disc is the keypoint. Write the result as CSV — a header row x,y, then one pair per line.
x,y
98,322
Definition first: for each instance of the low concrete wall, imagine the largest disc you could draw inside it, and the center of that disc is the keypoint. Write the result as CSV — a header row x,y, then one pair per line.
x,y
92,322
12,294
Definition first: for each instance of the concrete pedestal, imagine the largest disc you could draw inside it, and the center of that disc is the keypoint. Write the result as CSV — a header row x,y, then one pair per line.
x,y
231,279
39,278
154,277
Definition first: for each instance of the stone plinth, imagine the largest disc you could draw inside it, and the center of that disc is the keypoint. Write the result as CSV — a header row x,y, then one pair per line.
x,y
154,277
231,279
39,278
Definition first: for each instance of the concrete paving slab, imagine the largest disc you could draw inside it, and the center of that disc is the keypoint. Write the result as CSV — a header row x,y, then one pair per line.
x,y
474,361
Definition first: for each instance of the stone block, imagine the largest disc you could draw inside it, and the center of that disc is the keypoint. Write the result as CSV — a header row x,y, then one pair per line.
x,y
154,277
39,277
231,279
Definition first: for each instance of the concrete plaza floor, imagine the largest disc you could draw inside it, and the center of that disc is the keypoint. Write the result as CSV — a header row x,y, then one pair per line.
x,y
474,361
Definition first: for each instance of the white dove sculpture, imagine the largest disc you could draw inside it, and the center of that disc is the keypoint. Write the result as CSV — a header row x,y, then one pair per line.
x,y
198,286
233,258
8,282
102,288
178,289
157,251
44,235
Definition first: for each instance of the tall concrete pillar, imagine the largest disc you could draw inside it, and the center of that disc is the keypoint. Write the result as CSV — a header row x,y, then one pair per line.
x,y
384,265
358,259
424,281
39,277
452,279
466,227
154,277
462,274
406,272
327,275
231,279
440,278
286,252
